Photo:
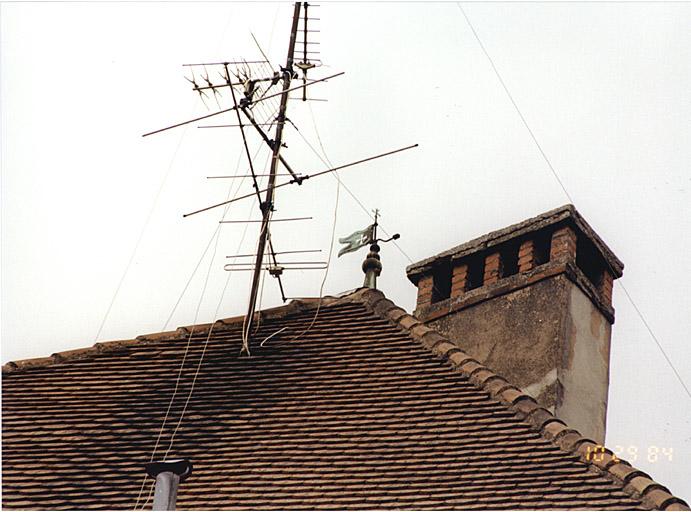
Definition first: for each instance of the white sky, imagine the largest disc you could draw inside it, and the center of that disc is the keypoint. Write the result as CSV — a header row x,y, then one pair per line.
x,y
604,86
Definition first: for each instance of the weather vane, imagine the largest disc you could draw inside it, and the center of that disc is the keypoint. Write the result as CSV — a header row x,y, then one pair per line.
x,y
372,265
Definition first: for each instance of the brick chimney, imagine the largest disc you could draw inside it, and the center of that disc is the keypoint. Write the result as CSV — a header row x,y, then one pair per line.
x,y
534,303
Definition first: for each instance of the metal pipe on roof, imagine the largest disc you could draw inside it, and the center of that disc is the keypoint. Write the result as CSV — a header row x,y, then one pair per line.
x,y
168,475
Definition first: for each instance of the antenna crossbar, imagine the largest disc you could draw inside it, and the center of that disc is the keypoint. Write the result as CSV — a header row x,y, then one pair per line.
x,y
304,177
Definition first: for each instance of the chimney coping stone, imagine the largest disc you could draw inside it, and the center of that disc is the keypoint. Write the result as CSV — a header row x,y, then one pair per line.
x,y
565,214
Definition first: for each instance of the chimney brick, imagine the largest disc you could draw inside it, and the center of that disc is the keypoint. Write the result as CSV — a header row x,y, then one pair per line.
x,y
606,286
424,290
492,268
459,280
563,245
526,256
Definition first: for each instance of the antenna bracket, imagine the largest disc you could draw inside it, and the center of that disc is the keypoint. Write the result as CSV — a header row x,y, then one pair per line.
x,y
299,178
276,271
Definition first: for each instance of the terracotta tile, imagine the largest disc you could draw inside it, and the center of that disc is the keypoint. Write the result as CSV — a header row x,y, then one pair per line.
x,y
356,413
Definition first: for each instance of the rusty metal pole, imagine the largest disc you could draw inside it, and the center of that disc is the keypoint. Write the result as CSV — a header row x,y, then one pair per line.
x,y
267,205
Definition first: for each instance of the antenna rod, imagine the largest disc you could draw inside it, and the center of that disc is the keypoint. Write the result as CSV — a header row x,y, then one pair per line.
x,y
250,221
278,252
267,205
228,62
246,176
233,108
304,177
229,125
244,264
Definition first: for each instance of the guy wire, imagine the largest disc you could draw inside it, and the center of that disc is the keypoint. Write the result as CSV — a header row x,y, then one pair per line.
x,y
352,194
201,359
225,29
245,324
325,160
141,234
214,236
568,196
259,148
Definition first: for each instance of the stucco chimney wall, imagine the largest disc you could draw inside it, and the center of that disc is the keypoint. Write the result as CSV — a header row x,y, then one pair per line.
x,y
533,302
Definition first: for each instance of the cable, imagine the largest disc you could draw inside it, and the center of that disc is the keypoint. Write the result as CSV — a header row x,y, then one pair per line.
x,y
141,234
214,236
263,281
201,359
652,335
566,193
182,364
333,227
326,162
352,194
357,200
246,323
520,114
259,148
206,342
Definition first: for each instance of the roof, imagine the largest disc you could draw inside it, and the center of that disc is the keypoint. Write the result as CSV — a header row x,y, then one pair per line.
x,y
566,214
366,409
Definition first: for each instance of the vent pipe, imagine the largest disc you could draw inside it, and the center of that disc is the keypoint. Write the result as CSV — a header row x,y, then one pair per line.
x,y
168,475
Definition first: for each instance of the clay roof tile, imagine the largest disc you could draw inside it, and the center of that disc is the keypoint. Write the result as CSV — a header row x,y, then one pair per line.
x,y
368,408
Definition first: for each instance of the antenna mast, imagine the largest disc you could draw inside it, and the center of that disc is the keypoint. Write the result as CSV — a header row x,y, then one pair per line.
x,y
267,205
256,90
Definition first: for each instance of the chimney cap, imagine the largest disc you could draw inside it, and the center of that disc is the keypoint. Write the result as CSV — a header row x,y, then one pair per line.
x,y
566,214
181,467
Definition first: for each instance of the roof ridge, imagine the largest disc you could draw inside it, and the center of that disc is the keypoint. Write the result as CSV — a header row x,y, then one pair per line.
x,y
294,306
636,483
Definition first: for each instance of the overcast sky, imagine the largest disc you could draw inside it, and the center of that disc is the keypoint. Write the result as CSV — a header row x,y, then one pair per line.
x,y
604,87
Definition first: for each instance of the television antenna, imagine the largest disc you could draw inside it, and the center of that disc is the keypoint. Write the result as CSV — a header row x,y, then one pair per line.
x,y
252,85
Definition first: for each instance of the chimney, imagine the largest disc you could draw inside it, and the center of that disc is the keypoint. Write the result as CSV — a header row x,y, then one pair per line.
x,y
533,302
168,475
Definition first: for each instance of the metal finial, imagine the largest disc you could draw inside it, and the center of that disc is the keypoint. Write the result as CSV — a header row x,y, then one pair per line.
x,y
372,267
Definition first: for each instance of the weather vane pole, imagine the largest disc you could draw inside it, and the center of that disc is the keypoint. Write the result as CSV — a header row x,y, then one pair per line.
x,y
372,264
